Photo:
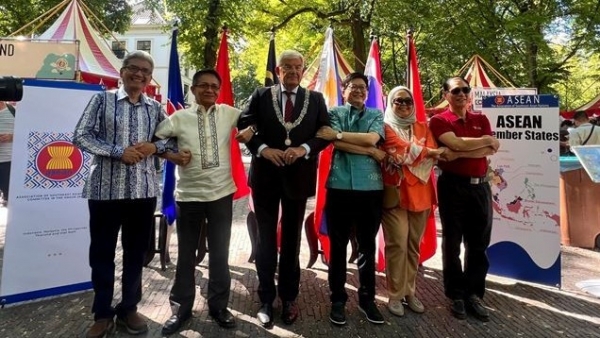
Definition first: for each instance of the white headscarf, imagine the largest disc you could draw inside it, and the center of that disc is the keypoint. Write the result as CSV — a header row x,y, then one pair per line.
x,y
423,170
394,120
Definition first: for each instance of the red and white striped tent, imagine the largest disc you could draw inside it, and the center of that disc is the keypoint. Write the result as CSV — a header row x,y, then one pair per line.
x,y
97,64
592,109
474,71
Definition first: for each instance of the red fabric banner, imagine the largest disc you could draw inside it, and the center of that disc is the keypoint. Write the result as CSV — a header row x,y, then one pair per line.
x,y
226,97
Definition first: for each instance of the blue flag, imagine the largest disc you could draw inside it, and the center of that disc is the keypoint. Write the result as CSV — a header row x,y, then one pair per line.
x,y
174,103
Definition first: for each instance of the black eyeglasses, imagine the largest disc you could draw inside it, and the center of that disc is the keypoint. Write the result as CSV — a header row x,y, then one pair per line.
x,y
355,87
134,69
457,90
403,100
206,86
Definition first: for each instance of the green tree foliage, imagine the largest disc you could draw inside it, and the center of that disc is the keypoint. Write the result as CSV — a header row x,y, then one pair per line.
x,y
516,37
14,14
533,43
201,23
582,83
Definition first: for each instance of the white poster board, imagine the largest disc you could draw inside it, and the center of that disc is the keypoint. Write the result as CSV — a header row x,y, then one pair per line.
x,y
47,234
525,241
478,93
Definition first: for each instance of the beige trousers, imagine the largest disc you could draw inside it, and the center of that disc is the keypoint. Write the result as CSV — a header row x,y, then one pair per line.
x,y
402,230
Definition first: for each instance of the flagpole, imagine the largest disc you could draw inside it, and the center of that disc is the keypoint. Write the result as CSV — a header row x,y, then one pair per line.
x,y
409,34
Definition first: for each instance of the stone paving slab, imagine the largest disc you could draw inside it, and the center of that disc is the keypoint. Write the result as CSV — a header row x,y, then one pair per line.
x,y
518,309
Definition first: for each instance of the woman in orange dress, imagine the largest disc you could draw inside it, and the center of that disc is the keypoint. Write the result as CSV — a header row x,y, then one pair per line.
x,y
411,152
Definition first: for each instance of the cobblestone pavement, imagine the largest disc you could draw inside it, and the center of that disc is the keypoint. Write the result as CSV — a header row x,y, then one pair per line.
x,y
517,309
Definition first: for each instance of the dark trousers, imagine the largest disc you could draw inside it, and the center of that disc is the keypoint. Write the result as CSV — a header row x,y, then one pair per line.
x,y
134,217
4,179
466,215
344,210
190,216
266,208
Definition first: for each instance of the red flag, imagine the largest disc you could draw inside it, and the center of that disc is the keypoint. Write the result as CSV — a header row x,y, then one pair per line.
x,y
429,241
226,96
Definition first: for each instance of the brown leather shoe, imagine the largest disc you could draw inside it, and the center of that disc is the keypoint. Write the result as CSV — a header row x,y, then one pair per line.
x,y
134,323
289,314
101,328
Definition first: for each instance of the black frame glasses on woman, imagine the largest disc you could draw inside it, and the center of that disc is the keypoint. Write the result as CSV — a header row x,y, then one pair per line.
x,y
457,90
403,100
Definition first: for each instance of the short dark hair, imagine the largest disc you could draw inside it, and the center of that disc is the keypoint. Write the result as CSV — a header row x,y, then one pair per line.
x,y
580,116
355,75
566,123
446,84
206,71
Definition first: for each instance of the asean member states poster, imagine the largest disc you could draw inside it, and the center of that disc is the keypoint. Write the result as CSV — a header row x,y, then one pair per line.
x,y
525,241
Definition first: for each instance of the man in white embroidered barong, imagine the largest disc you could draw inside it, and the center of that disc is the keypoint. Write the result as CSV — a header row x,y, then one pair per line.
x,y
204,191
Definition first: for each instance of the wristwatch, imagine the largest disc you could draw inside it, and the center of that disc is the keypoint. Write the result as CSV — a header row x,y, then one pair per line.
x,y
339,135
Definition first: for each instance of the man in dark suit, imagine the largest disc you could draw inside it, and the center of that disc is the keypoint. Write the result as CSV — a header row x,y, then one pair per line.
x,y
284,150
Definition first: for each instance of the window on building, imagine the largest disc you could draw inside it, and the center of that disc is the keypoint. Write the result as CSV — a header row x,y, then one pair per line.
x,y
145,45
118,48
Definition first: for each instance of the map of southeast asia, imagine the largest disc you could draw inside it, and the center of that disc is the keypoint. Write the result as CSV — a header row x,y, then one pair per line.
x,y
518,191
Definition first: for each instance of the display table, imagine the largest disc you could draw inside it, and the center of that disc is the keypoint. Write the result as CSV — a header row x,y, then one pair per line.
x,y
579,206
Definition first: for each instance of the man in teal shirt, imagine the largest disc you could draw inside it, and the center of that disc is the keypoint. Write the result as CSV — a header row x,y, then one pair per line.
x,y
354,195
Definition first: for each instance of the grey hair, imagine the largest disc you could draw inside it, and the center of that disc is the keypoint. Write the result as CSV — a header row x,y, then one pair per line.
x,y
140,55
289,54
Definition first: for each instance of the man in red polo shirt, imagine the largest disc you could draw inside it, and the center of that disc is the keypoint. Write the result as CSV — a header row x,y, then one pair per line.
x,y
465,199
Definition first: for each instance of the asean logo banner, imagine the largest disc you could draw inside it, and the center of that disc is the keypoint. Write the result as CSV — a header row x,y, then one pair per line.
x,y
54,162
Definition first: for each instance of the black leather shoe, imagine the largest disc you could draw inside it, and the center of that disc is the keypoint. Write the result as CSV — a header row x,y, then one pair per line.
x,y
338,313
174,323
224,318
265,315
475,306
458,309
370,310
289,314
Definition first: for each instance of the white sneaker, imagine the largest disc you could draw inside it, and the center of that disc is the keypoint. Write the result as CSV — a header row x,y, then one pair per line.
x,y
396,307
415,304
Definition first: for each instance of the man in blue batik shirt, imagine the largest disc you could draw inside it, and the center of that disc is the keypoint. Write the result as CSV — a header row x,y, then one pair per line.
x,y
354,195
117,128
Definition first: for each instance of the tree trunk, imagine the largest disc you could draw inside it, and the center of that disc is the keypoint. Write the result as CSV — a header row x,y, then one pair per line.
x,y
211,34
358,40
